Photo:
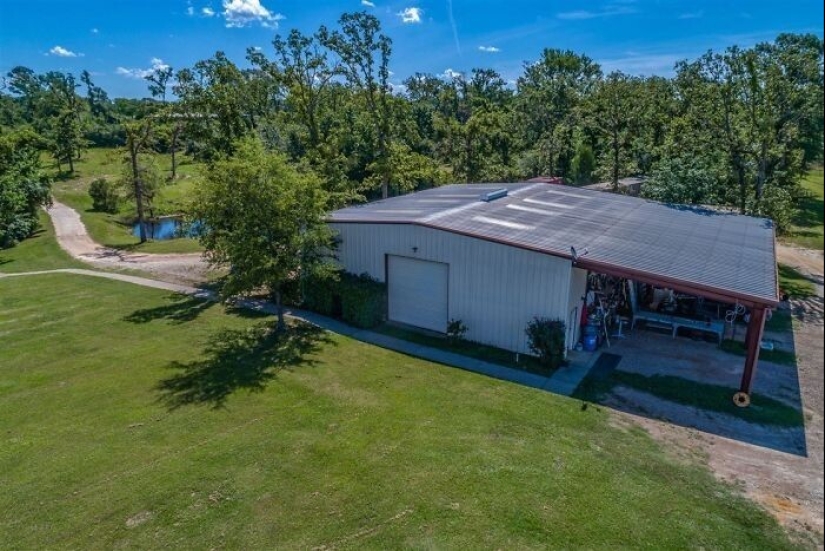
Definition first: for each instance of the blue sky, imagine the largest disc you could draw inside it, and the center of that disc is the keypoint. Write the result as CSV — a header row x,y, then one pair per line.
x,y
118,41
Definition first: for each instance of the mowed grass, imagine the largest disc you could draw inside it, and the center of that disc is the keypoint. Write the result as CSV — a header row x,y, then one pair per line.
x,y
807,230
39,252
794,283
115,230
129,418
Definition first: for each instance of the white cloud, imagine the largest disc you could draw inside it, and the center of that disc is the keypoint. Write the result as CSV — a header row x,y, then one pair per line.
x,y
60,51
95,30
397,88
156,64
607,11
241,13
190,11
449,73
410,15
208,12
489,49
368,3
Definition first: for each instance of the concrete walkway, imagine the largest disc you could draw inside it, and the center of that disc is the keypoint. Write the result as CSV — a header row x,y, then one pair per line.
x,y
563,381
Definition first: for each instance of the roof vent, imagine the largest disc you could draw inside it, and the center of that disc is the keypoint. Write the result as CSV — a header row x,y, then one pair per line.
x,y
493,195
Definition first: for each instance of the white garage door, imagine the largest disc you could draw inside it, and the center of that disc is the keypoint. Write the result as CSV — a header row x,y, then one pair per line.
x,y
417,292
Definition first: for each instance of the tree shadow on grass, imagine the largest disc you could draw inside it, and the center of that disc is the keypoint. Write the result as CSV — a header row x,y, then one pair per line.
x,y
235,360
179,309
810,213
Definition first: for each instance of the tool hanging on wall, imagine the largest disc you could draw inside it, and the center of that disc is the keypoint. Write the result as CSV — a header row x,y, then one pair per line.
x,y
603,320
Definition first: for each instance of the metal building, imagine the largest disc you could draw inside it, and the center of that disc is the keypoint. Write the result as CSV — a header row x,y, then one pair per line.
x,y
497,255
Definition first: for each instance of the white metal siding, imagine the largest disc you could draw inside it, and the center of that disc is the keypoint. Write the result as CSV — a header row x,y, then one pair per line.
x,y
417,292
494,289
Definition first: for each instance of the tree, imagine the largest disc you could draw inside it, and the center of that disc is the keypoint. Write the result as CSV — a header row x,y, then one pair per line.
x,y
306,73
612,110
159,80
410,171
549,93
28,86
263,219
61,110
96,96
692,181
140,177
23,187
221,103
473,126
357,44
583,163
655,110
762,106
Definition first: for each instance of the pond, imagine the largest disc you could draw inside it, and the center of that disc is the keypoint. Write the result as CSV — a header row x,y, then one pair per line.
x,y
168,227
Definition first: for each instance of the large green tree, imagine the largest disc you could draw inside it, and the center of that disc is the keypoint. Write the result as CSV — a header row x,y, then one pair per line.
x,y
263,219
613,112
762,106
23,186
364,53
549,94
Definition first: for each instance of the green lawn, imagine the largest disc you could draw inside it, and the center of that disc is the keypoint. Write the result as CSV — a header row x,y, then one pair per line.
x,y
115,230
807,230
794,283
132,419
40,252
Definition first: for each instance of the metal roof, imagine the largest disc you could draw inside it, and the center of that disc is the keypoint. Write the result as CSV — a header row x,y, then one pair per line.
x,y
710,252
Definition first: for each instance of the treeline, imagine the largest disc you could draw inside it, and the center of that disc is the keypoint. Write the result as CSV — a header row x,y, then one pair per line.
x,y
733,128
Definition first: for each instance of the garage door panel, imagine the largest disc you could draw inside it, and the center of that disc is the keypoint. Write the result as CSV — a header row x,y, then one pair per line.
x,y
418,292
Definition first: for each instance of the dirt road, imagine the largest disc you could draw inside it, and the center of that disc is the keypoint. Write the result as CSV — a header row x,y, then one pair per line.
x,y
74,239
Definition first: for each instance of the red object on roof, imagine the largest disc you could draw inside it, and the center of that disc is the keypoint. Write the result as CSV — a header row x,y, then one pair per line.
x,y
547,180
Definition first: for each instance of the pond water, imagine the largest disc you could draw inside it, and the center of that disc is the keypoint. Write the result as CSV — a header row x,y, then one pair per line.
x,y
165,228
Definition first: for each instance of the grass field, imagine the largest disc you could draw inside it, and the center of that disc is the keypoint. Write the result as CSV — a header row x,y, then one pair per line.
x,y
115,230
807,230
167,423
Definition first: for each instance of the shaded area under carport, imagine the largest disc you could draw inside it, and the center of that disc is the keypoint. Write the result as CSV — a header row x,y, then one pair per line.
x,y
657,376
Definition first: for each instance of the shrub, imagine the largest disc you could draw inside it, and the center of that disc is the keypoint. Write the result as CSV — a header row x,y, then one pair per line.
x,y
456,331
546,340
104,195
583,164
357,299
363,300
319,294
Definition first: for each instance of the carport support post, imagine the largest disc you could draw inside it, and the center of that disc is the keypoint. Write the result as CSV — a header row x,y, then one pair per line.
x,y
753,339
